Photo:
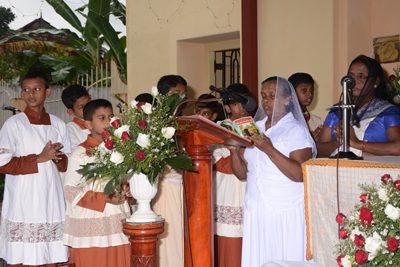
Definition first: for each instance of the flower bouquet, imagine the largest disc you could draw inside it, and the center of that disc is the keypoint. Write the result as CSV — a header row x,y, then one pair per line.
x,y
371,232
142,142
394,80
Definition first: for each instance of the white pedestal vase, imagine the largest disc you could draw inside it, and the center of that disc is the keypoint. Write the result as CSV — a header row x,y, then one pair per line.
x,y
143,192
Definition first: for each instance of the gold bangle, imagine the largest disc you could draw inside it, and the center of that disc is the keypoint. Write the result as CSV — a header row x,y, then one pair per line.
x,y
363,145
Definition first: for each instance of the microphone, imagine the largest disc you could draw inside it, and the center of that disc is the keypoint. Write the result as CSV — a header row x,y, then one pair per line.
x,y
10,108
119,105
248,103
349,81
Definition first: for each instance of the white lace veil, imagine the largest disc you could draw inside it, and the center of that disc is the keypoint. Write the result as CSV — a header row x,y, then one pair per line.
x,y
285,105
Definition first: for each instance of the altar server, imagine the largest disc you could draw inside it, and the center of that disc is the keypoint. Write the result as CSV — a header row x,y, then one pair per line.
x,y
33,145
93,227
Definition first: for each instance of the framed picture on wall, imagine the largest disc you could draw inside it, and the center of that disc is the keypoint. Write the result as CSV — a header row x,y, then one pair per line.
x,y
386,49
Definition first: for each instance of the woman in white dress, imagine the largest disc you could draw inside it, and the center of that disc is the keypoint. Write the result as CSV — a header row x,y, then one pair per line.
x,y
274,219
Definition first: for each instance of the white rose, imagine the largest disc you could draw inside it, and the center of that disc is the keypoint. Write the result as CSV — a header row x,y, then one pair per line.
x,y
102,149
116,158
382,194
373,244
113,119
393,213
168,132
154,91
143,140
120,130
346,262
356,232
147,108
396,99
133,103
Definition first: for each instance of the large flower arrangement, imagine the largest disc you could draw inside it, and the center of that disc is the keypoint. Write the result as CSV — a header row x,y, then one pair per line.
x,y
370,234
142,141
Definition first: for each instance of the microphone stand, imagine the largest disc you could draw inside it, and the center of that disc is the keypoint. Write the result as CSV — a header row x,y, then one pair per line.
x,y
347,82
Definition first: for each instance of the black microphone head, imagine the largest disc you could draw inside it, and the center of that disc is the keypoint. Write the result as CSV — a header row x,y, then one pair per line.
x,y
349,81
3,107
250,105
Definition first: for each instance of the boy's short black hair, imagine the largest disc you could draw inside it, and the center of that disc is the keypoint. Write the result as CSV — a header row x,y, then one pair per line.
x,y
169,81
36,75
145,97
299,78
238,88
72,93
91,107
213,105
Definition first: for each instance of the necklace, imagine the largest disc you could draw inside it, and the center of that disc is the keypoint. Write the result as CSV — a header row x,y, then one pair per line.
x,y
306,115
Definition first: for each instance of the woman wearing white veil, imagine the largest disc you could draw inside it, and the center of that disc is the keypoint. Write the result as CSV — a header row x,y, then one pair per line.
x,y
274,218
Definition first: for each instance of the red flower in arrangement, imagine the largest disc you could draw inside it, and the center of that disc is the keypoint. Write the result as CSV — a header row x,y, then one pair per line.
x,y
343,233
363,198
366,216
340,218
115,123
109,144
105,134
140,155
361,256
125,136
142,124
339,260
359,240
392,77
139,105
88,151
393,244
397,185
385,178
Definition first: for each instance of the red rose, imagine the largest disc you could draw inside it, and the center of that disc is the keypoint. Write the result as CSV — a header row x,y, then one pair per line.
x,y
363,198
359,240
139,105
140,155
366,216
109,144
343,233
385,178
339,260
393,244
88,151
115,123
125,136
105,134
397,185
361,256
392,77
142,124
340,218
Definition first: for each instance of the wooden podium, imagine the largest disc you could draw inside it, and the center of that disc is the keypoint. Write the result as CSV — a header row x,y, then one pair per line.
x,y
201,134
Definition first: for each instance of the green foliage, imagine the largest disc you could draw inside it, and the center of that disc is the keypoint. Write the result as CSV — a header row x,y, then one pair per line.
x,y
141,142
12,65
6,17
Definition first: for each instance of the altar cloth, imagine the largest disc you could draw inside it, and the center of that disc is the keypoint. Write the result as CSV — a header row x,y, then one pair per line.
x,y
320,187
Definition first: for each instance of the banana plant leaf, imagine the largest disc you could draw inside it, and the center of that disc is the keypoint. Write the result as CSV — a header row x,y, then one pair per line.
x,y
61,73
23,35
118,10
66,13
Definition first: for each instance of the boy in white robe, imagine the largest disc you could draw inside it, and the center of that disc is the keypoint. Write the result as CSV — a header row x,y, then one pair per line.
x,y
75,97
33,145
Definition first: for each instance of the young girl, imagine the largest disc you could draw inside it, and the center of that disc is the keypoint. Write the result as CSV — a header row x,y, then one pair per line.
x,y
303,84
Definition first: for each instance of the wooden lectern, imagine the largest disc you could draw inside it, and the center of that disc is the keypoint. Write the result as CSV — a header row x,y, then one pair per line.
x,y
201,134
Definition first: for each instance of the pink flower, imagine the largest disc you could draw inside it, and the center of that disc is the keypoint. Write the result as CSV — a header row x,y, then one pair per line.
x,y
89,151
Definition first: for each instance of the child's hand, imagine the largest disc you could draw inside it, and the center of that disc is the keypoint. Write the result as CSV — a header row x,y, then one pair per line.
x,y
126,191
116,200
315,134
50,152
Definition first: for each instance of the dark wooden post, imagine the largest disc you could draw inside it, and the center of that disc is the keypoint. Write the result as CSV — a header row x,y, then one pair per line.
x,y
143,238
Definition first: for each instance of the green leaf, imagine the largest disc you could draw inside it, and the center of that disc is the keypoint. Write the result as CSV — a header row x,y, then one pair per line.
x,y
108,190
118,10
181,161
29,53
96,8
120,100
66,13
29,64
60,74
54,62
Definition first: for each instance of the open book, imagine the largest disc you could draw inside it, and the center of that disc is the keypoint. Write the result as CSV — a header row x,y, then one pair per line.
x,y
246,125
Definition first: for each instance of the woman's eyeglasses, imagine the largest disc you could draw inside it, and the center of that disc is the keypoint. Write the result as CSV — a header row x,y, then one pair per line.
x,y
360,78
